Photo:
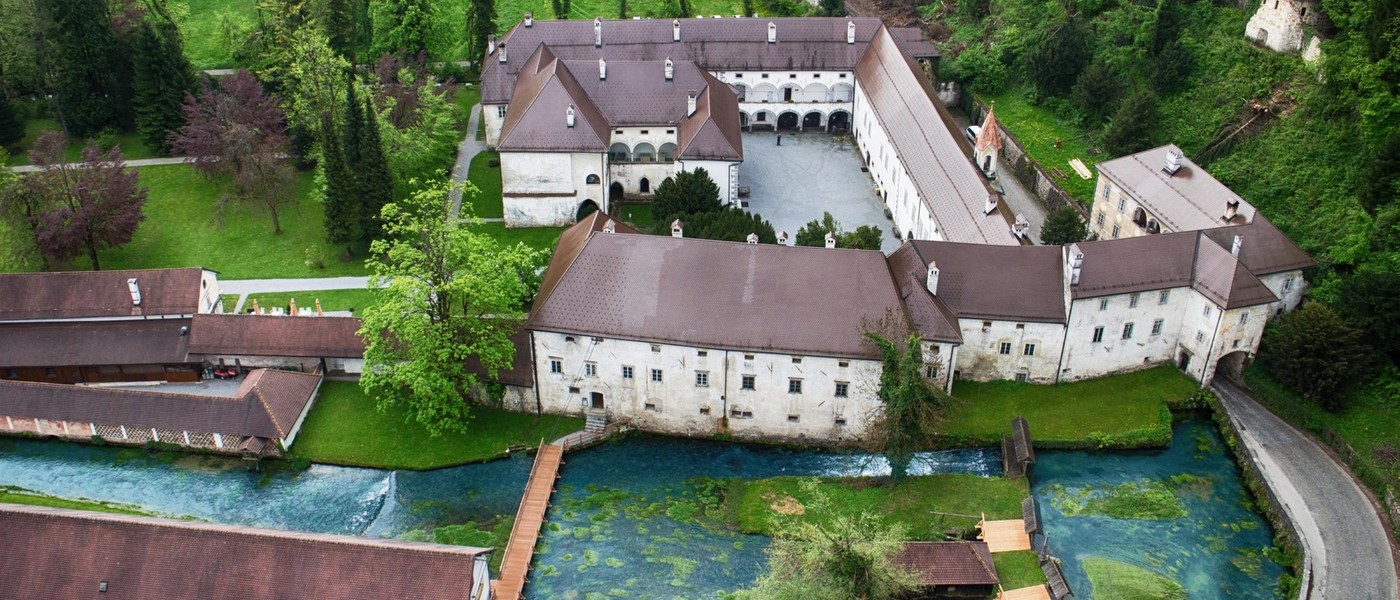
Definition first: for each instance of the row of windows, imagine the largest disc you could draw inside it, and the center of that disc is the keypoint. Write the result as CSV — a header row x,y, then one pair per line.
x,y
1028,350
790,75
1162,298
1128,330
702,378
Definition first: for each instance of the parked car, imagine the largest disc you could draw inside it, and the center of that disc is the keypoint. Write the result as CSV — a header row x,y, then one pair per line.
x,y
972,132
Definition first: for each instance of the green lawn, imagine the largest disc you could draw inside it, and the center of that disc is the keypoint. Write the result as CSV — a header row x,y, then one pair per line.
x,y
132,146
15,495
1120,410
213,29
1113,580
346,428
912,502
182,230
486,203
229,301
543,238
356,299
1049,139
1018,569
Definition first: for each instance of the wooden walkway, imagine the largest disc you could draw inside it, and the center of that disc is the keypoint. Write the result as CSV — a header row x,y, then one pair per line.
x,y
1005,536
520,550
1035,592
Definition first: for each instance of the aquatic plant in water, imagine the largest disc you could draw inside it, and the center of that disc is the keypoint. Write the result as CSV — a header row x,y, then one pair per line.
x,y
1145,500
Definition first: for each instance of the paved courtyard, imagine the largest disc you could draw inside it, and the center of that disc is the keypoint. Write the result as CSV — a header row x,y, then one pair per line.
x,y
811,173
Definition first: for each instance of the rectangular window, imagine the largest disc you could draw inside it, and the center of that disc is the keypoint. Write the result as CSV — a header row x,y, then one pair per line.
x,y
702,379
1022,377
1288,284
1107,188
651,407
1164,296
1098,334
794,386
1200,336
1127,331
841,421
670,132
656,375
748,357
794,418
843,363
986,325
1157,327
656,347
1206,312
590,369
1244,318
764,76
1098,218
501,112
1029,351
797,360
1005,348
1122,204
556,365
842,389
1115,232
1235,344
626,372
746,382
738,75
1103,304
842,76
1133,300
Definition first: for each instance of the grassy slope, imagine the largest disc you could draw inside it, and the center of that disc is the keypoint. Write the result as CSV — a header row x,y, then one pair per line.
x,y
909,502
346,428
1039,130
356,299
1068,412
181,230
1018,569
535,237
203,27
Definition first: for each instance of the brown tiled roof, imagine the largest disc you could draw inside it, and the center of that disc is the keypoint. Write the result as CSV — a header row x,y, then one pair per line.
x,y
1190,199
914,42
804,44
267,335
949,563
1168,260
952,190
571,242
930,316
535,119
715,294
263,407
519,373
67,554
712,133
1017,283
91,294
81,344
637,92
1265,249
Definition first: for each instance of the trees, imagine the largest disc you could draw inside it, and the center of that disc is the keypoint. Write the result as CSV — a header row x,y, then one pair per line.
x,y
1097,91
912,406
404,28
730,223
311,81
1134,127
86,62
1317,354
451,294
832,8
1367,301
162,79
1063,226
79,209
1054,60
481,23
836,558
235,131
688,193
341,206
340,25
865,237
11,126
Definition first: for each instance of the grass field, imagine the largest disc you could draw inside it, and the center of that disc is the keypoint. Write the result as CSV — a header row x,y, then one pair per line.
x,y
1051,140
912,502
182,230
486,203
1018,569
132,146
346,428
535,237
355,300
1071,413
213,29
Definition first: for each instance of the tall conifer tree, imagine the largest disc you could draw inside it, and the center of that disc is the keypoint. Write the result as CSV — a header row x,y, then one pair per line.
x,y
11,126
481,22
342,216
163,77
340,28
83,48
376,183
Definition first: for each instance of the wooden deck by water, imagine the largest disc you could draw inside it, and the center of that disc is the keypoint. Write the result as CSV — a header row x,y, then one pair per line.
x,y
520,550
1005,536
1035,592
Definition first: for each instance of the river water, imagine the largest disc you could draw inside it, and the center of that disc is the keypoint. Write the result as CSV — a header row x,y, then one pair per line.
x,y
621,523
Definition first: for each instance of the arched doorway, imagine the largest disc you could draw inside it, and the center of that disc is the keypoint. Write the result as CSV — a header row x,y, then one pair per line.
x,y
1231,366
840,122
615,193
588,207
743,120
811,120
787,121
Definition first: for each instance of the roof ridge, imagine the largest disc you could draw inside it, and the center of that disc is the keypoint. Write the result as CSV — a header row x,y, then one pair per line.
x,y
116,389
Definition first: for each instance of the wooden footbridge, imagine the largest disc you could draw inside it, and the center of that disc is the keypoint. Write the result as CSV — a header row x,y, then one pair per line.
x,y
520,550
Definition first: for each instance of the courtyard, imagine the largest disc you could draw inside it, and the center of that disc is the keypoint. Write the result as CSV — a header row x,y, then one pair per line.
x,y
811,173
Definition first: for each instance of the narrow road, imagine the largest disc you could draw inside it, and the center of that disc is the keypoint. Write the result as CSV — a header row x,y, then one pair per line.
x,y
465,151
1021,200
1344,541
140,162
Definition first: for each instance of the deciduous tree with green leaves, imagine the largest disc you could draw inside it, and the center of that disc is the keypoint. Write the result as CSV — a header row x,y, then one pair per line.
x,y
1317,354
865,237
451,294
912,406
832,557
1063,226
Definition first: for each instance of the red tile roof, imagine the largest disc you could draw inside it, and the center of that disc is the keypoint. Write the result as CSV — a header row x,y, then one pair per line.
x,y
949,563
1015,283
94,294
68,554
268,335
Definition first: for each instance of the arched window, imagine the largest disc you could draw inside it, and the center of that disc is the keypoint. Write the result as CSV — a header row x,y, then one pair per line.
x,y
842,92
814,92
763,92
667,152
1140,217
644,152
591,179
644,185
619,152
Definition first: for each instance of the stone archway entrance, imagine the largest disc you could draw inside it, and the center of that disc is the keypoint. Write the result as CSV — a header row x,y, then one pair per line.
x,y
1231,366
615,193
586,208
839,122
787,121
811,120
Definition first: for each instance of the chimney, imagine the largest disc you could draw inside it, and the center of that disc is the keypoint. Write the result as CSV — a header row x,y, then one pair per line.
x,y
569,116
690,102
1231,208
772,33
991,206
501,56
610,227
529,19
783,237
850,32
491,44
602,70
319,312
676,230
675,30
292,307
1076,264
932,281
830,240
1172,162
257,310
1235,246
135,291
597,32
752,239
670,69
